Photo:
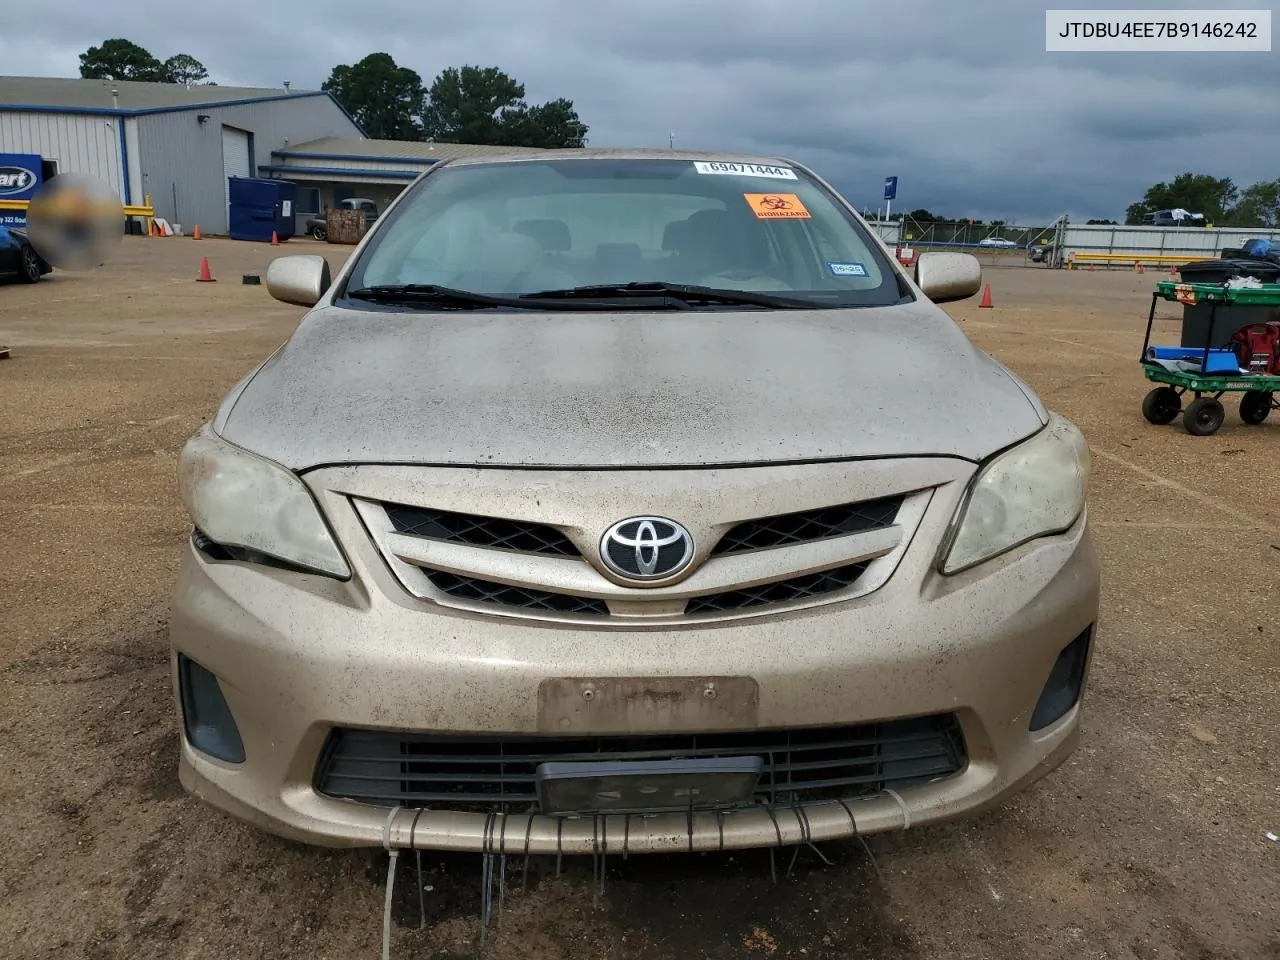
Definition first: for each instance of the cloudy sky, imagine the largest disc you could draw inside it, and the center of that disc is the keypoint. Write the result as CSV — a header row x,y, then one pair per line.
x,y
958,98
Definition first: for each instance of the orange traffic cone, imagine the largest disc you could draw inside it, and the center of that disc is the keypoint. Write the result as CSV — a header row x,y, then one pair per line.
x,y
1139,267
1173,272
1091,268
275,241
205,275
195,235
986,296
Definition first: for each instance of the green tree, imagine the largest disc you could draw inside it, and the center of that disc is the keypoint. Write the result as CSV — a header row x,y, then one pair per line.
x,y
120,59
1193,192
386,99
1259,206
183,68
551,125
483,105
1102,223
468,105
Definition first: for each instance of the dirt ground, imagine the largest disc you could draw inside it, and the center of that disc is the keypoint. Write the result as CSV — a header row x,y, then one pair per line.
x,y
1151,842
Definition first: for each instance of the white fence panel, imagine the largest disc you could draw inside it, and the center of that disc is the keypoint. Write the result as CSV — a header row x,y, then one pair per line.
x,y
1172,241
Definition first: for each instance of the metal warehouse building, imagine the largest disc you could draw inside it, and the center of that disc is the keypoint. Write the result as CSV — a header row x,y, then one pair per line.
x,y
177,144
331,169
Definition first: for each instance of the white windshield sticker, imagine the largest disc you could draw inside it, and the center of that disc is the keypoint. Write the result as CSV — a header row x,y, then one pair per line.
x,y
744,169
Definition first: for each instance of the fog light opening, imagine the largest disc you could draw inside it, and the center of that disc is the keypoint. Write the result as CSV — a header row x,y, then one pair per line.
x,y
1066,679
207,720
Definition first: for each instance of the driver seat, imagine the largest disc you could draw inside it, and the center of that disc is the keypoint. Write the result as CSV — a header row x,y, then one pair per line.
x,y
714,241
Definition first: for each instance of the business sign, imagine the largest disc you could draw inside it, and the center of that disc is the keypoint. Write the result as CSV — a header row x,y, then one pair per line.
x,y
891,188
19,180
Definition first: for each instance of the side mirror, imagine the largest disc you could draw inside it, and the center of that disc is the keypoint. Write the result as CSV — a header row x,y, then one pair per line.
x,y
300,280
943,277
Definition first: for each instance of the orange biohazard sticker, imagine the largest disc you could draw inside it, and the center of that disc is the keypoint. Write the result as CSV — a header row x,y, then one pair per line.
x,y
777,206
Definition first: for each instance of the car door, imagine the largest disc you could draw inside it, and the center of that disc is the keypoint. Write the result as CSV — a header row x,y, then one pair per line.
x,y
9,249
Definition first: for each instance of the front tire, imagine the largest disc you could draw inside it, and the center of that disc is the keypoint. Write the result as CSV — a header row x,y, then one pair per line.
x,y
1204,417
318,233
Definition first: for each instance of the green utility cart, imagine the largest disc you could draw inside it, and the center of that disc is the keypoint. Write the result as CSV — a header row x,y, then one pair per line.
x,y
1213,370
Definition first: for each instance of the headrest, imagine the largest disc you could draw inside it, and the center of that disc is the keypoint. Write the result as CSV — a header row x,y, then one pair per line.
x,y
710,219
675,234
722,235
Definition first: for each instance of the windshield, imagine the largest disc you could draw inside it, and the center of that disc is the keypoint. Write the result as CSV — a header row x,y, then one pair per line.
x,y
512,229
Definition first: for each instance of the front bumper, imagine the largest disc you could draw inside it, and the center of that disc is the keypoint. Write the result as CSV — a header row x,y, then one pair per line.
x,y
297,656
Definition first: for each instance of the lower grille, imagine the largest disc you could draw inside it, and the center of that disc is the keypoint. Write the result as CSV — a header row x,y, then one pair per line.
x,y
485,773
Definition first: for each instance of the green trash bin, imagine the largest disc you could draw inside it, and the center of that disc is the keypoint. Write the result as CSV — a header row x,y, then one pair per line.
x,y
1229,318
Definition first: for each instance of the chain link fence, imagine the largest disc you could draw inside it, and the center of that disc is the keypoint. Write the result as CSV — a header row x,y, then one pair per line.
x,y
934,234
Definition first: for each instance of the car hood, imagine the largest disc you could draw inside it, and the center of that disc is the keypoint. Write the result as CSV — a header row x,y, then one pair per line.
x,y
627,389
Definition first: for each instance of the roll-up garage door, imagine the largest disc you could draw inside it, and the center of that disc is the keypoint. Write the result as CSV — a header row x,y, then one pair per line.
x,y
235,162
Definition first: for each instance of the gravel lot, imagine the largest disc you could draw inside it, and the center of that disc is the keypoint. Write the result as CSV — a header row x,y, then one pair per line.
x,y
1151,842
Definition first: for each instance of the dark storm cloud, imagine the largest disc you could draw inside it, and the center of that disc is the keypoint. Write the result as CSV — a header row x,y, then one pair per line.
x,y
960,100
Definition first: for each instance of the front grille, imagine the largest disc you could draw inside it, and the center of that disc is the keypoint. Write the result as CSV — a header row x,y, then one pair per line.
x,y
781,591
478,531
484,591
473,582
485,773
809,525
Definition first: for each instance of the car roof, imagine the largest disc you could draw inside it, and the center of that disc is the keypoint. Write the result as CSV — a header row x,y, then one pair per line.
x,y
623,153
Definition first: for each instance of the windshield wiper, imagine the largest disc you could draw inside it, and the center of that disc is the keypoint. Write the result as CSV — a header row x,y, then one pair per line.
x,y
427,294
685,293
411,293
595,296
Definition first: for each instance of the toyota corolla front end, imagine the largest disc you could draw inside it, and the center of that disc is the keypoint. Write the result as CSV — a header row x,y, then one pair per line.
x,y
627,502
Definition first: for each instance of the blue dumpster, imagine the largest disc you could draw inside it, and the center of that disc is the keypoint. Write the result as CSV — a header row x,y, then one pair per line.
x,y
259,207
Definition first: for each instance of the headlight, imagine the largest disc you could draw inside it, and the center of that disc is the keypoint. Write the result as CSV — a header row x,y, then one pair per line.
x,y
239,499
1032,490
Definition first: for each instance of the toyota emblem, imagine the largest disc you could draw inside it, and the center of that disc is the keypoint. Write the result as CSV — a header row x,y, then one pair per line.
x,y
646,548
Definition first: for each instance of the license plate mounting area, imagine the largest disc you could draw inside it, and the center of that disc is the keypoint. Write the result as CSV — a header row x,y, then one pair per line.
x,y
601,706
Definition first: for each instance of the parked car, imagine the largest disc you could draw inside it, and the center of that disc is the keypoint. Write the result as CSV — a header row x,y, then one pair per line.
x,y
1041,252
998,242
318,226
627,500
18,258
1176,217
